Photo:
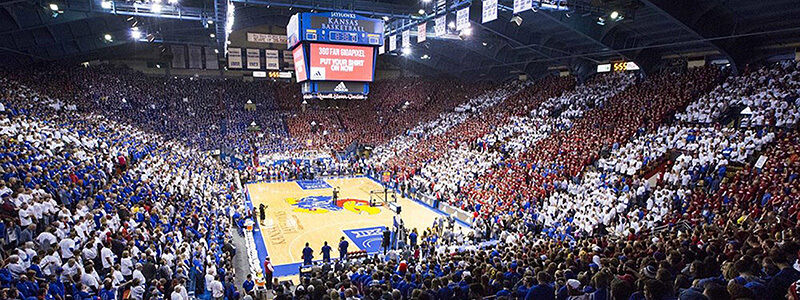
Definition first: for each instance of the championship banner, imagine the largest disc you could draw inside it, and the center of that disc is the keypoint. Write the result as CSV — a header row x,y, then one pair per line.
x,y
406,39
489,11
340,62
271,59
392,43
266,38
522,5
253,59
381,49
195,57
212,61
287,58
441,26
234,58
422,32
462,18
178,56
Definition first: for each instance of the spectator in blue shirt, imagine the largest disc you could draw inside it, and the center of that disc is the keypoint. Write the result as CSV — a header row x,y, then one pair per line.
x,y
248,284
543,289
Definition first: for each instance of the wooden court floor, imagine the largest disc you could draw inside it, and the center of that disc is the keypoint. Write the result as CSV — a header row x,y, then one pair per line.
x,y
295,216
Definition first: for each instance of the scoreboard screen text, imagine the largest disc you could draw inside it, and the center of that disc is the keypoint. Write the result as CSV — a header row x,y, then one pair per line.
x,y
341,62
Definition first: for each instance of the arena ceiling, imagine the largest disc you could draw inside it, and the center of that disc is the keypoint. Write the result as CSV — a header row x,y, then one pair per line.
x,y
649,31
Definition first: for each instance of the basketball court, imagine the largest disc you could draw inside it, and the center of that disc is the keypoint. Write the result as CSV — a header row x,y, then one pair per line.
x,y
299,212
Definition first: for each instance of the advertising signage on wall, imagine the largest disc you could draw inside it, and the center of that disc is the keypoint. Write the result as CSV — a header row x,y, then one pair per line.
x,y
299,64
335,27
340,62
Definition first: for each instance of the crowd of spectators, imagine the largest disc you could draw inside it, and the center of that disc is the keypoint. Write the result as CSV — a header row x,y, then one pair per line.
x,y
464,164
98,208
621,187
393,107
410,161
602,231
440,125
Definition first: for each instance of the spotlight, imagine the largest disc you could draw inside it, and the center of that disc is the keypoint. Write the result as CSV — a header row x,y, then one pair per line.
x,y
534,8
212,35
484,44
406,50
385,18
216,51
421,11
614,14
105,4
135,33
156,7
451,25
53,7
567,15
516,20
108,37
210,22
601,21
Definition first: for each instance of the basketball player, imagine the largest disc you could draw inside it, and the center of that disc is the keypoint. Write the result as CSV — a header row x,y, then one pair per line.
x,y
326,253
343,244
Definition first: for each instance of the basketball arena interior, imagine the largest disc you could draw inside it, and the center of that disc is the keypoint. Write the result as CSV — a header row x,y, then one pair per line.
x,y
399,149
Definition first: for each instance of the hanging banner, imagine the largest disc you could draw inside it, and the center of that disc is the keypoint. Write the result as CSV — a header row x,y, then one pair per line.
x,y
288,61
266,38
381,49
441,26
195,57
489,11
234,58
293,31
406,39
462,18
271,59
253,59
212,62
422,32
522,5
392,42
178,56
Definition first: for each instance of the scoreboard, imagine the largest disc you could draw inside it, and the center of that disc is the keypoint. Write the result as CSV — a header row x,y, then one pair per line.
x,y
334,52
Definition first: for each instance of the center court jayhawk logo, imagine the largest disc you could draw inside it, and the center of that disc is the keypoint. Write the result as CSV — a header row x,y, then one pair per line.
x,y
324,204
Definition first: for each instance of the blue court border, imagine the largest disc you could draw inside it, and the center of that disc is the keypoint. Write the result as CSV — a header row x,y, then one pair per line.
x,y
294,268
